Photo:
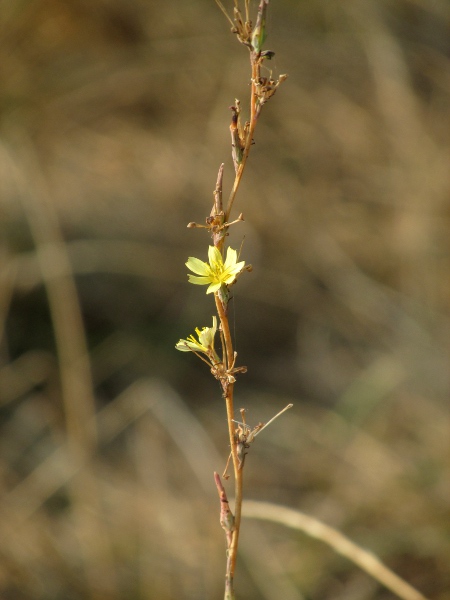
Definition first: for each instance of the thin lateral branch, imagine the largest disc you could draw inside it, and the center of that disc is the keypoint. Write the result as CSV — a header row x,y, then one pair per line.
x,y
225,330
216,219
224,349
218,205
226,516
273,419
247,10
222,8
237,144
335,539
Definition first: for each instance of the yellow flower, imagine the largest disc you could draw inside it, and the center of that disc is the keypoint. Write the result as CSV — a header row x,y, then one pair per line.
x,y
217,272
205,343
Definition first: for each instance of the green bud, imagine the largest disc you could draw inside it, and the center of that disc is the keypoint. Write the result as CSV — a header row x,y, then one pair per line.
x,y
259,33
224,295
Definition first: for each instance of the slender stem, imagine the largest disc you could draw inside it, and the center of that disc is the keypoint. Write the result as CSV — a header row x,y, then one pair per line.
x,y
253,120
229,390
228,358
225,330
238,484
237,466
230,386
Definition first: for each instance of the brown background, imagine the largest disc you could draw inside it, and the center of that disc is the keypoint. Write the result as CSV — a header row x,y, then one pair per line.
x,y
113,120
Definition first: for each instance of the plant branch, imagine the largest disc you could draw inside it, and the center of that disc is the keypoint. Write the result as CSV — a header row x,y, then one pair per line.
x,y
249,139
228,386
221,275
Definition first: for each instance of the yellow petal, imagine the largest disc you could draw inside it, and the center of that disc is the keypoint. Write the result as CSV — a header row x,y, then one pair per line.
x,y
214,256
197,266
198,280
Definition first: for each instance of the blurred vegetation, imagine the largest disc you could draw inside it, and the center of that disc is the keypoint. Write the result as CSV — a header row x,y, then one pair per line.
x,y
113,122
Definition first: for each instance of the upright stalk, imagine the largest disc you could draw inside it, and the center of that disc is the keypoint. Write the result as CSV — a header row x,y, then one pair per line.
x,y
237,466
220,274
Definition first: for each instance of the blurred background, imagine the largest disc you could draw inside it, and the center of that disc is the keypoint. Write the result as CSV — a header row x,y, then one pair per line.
x,y
113,122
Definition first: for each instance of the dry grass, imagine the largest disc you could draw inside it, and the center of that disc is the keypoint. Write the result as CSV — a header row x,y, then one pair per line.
x,y
113,123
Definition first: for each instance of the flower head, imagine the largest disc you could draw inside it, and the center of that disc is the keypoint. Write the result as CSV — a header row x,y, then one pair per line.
x,y
205,343
217,272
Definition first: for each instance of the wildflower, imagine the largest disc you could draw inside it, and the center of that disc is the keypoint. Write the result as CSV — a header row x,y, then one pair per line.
x,y
217,273
205,343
